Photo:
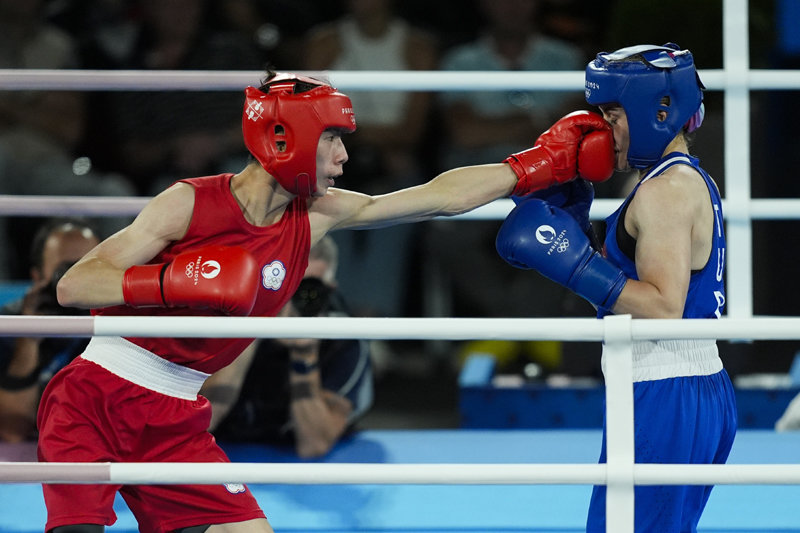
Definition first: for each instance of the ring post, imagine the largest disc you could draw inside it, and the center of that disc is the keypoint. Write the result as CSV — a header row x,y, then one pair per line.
x,y
619,423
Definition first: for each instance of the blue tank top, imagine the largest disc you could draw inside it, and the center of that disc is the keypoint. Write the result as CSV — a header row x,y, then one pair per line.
x,y
706,295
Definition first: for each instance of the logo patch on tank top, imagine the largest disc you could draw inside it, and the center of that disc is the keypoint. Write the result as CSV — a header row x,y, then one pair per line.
x,y
272,275
234,488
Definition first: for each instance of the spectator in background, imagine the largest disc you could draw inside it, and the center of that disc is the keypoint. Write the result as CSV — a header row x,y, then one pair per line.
x,y
301,392
386,150
276,27
160,136
370,36
576,21
483,126
40,130
103,31
28,363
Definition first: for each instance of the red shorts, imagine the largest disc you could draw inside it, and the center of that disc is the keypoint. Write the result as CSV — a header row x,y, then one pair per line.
x,y
88,414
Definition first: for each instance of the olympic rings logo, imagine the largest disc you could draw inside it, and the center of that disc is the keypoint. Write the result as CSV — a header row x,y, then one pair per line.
x,y
562,246
189,270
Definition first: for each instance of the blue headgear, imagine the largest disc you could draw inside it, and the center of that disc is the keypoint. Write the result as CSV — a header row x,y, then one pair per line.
x,y
639,87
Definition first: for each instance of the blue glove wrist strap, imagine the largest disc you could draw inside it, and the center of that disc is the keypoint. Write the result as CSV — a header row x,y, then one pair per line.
x,y
599,281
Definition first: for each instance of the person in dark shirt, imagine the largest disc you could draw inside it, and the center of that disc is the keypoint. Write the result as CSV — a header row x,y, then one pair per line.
x,y
28,363
305,393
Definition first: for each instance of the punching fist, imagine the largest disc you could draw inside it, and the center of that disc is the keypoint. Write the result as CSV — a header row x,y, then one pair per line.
x,y
546,238
224,278
580,143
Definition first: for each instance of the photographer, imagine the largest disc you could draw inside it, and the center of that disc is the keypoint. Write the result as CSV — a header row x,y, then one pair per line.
x,y
305,393
28,363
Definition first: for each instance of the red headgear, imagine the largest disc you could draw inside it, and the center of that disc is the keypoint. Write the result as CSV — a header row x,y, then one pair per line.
x,y
282,128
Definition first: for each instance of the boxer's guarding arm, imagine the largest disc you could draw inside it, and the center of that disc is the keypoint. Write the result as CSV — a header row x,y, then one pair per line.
x,y
546,238
575,197
579,144
225,278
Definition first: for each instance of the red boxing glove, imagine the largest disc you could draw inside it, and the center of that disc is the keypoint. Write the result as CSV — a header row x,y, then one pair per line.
x,y
596,156
224,278
557,155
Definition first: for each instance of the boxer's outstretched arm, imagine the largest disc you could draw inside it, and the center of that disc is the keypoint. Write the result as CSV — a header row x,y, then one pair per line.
x,y
96,280
580,143
451,193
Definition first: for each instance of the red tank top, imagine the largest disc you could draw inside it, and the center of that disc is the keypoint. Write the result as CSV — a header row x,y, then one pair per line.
x,y
281,249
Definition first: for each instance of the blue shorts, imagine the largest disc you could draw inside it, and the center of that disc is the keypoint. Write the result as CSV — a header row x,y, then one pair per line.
x,y
684,420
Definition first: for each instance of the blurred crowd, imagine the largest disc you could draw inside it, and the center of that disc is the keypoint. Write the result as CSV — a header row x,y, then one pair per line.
x,y
135,143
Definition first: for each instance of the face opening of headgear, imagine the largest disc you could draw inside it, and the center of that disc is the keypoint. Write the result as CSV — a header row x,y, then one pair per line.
x,y
282,123
645,80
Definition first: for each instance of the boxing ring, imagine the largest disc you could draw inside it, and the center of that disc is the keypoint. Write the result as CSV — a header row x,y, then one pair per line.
x,y
445,480
451,480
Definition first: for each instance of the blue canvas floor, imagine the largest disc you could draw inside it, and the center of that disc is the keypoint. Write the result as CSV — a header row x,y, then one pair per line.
x,y
472,509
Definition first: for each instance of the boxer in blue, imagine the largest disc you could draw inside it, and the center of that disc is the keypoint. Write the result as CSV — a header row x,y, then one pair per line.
x,y
663,257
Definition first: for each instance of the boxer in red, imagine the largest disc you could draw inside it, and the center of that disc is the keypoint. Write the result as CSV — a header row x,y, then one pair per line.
x,y
237,244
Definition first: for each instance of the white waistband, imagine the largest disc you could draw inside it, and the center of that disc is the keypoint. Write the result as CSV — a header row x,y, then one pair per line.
x,y
665,359
144,368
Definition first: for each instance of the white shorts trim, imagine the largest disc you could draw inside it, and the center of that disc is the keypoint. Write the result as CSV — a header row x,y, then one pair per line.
x,y
665,359
144,368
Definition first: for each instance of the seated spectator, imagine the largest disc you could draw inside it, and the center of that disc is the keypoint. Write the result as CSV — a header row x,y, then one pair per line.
x,y
278,28
488,125
386,152
28,363
160,136
39,154
305,393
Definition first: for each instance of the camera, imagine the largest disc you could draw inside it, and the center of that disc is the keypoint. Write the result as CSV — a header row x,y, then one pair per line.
x,y
48,301
312,297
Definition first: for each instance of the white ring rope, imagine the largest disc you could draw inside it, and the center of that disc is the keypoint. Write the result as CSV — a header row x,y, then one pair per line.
x,y
97,206
216,80
374,80
619,472
391,474
567,329
90,206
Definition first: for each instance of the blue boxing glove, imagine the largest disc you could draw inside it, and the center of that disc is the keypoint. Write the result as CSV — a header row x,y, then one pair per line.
x,y
574,197
539,236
